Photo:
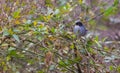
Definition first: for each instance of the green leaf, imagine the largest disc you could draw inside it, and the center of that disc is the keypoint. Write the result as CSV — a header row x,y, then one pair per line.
x,y
5,32
16,14
53,30
99,45
41,71
92,22
52,67
62,64
91,61
16,37
11,48
8,58
72,46
108,11
12,53
41,17
116,2
48,3
111,68
96,40
118,69
89,43
91,50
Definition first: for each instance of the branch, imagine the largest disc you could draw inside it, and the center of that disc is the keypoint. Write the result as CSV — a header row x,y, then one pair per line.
x,y
77,64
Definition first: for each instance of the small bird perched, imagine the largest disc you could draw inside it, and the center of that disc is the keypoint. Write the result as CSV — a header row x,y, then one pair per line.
x,y
79,29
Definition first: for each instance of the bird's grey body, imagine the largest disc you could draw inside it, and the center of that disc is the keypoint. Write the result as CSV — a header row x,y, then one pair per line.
x,y
79,29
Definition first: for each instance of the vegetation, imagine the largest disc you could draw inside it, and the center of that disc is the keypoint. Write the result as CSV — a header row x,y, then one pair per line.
x,y
36,36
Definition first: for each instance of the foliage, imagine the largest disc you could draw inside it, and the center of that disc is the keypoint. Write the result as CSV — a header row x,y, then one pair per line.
x,y
36,37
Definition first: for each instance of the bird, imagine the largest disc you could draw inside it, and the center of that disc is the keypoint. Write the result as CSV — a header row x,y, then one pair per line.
x,y
79,29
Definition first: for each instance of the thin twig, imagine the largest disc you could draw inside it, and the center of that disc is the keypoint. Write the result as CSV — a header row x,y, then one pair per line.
x,y
77,64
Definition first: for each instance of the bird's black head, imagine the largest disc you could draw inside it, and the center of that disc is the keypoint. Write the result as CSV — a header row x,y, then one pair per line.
x,y
79,23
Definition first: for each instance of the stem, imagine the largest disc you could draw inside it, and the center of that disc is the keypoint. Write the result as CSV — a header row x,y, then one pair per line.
x,y
77,64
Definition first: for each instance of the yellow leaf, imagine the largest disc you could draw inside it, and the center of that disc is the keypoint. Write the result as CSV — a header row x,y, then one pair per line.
x,y
80,1
35,23
0,29
8,58
68,5
11,31
4,45
45,18
3,63
50,37
49,17
17,22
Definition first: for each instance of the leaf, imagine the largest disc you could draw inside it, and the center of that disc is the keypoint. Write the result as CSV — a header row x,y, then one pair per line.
x,y
41,71
118,69
35,23
108,11
11,48
5,32
52,67
52,38
92,22
116,2
111,68
89,43
68,6
63,63
53,30
0,28
8,58
17,22
16,37
91,61
48,3
80,1
12,51
106,49
99,45
11,31
41,17
72,46
91,50
47,18
96,40
16,14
